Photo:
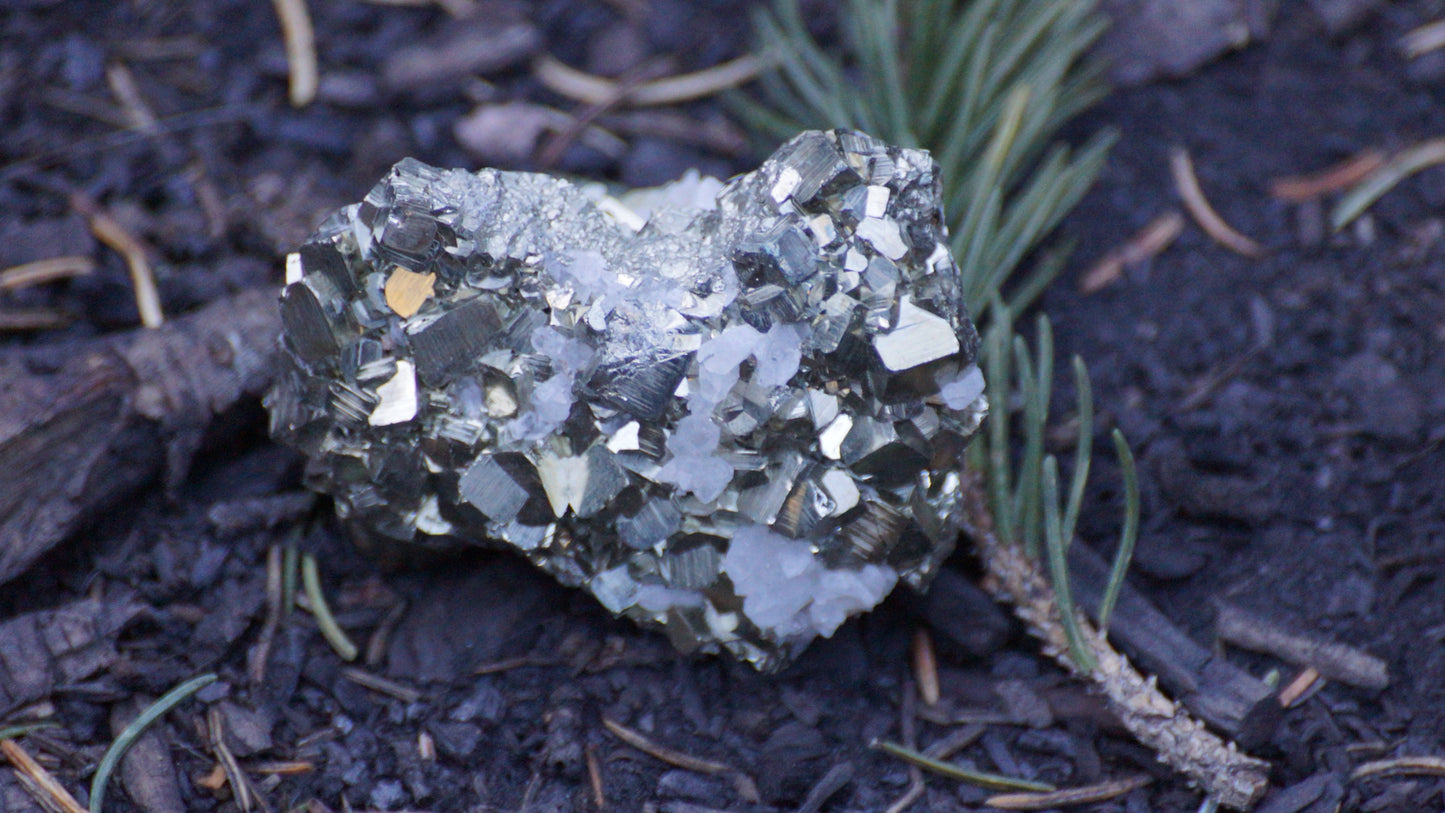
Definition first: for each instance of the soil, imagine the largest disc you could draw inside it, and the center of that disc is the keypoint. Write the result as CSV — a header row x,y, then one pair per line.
x,y
1286,411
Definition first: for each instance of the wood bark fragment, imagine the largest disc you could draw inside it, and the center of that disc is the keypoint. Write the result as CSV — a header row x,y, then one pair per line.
x,y
1236,780
84,425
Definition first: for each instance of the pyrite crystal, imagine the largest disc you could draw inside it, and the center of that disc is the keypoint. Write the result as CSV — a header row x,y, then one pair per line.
x,y
739,416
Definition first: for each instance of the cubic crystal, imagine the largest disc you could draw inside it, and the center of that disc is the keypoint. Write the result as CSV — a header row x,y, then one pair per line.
x,y
734,411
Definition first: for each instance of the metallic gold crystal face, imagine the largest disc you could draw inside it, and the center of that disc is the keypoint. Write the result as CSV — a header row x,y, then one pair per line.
x,y
737,412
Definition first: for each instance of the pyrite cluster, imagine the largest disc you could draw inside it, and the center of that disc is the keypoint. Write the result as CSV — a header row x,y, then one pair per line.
x,y
734,411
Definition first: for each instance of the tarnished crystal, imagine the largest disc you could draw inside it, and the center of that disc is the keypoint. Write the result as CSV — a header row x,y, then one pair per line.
x,y
735,411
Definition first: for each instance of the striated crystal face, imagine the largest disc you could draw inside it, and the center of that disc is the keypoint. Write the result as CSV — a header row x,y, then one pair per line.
x,y
733,411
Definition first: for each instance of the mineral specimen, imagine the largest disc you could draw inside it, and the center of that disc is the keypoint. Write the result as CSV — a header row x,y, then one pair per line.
x,y
736,412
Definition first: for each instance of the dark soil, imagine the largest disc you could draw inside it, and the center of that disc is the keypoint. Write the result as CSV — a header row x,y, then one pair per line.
x,y
1286,412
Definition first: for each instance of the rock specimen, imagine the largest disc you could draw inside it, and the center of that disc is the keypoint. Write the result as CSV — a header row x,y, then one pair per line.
x,y
737,412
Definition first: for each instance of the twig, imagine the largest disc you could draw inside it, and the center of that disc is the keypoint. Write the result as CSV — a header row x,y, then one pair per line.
x,y
991,781
1424,155
1400,766
300,49
47,789
1102,792
1149,242
1424,39
744,784
1235,779
925,667
1345,664
108,231
1186,184
321,611
578,86
132,732
47,270
1347,173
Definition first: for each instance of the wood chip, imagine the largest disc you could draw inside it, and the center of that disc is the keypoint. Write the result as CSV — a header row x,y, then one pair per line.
x,y
407,291
1400,766
1148,243
1347,173
300,50
1186,184
1101,792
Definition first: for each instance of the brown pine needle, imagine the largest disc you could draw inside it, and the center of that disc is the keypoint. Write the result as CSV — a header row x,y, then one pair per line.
x,y
991,781
925,667
55,796
1424,39
381,685
594,776
1400,766
1302,684
142,279
123,86
47,270
1186,184
15,321
1102,792
1148,243
1347,173
744,784
300,49
567,81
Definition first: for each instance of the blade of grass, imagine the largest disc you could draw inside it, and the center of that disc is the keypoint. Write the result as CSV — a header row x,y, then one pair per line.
x,y
991,781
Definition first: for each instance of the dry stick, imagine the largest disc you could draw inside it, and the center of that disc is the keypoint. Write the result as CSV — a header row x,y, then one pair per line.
x,y
746,787
46,788
1235,779
1400,766
300,49
1102,792
1159,234
47,270
1347,173
1345,664
1186,183
107,231
567,81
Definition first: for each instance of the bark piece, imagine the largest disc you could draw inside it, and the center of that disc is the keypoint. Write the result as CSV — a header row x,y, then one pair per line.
x,y
83,426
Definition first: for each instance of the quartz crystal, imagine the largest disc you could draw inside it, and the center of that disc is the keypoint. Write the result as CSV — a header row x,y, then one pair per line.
x,y
736,412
